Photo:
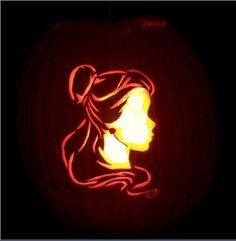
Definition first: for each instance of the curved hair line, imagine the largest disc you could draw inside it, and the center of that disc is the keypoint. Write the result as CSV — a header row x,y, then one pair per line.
x,y
94,114
104,97
70,170
121,80
67,138
71,81
104,183
124,98
101,77
113,72
91,119
94,144
134,85
93,106
149,85
86,138
146,77
143,184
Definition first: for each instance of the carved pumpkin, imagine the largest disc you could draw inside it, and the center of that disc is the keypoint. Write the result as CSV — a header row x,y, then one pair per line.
x,y
82,81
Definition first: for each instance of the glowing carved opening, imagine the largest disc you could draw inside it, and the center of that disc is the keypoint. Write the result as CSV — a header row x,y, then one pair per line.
x,y
132,130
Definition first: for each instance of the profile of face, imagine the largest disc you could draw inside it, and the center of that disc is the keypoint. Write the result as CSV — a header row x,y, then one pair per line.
x,y
134,127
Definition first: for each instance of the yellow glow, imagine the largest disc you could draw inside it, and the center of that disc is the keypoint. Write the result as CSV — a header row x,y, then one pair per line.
x,y
133,131
115,153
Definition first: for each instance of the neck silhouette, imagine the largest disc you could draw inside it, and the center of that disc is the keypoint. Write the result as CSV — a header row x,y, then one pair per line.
x,y
114,152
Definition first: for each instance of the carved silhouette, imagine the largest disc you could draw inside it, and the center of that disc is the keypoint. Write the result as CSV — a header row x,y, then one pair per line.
x,y
115,105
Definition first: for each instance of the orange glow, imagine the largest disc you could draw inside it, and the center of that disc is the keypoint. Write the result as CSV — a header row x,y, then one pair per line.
x,y
132,131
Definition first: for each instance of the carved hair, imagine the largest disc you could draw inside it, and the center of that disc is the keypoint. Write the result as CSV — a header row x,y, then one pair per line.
x,y
101,96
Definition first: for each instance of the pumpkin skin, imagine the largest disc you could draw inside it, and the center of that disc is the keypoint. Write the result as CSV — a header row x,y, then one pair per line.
x,y
181,155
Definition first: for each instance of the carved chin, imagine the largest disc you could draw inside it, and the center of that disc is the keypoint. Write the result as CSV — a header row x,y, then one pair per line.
x,y
140,148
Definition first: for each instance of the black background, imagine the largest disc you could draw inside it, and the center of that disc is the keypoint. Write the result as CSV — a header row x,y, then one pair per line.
x,y
209,27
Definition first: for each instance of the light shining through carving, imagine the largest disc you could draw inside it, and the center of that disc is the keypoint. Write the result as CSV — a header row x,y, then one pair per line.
x,y
134,127
131,131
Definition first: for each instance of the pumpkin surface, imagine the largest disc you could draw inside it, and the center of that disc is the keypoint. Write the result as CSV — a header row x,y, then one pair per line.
x,y
180,156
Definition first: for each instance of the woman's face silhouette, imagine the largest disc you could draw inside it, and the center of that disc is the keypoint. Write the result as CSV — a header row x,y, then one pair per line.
x,y
134,127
